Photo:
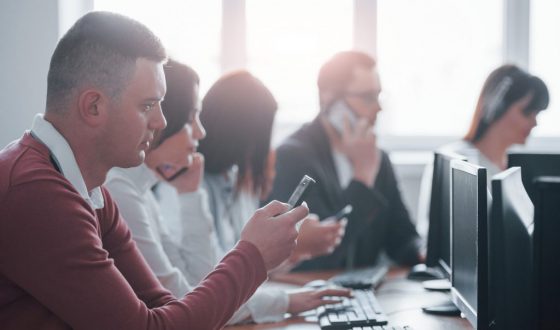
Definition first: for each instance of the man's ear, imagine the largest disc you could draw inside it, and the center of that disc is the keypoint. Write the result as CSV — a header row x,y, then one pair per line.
x,y
93,107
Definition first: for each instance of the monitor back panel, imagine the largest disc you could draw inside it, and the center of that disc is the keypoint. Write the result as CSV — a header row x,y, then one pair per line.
x,y
546,240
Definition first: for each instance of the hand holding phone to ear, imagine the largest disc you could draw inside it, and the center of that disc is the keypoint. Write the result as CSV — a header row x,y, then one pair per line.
x,y
356,140
188,179
359,144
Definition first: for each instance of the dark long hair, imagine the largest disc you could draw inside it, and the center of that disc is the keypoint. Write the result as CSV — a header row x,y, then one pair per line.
x,y
179,104
503,87
238,112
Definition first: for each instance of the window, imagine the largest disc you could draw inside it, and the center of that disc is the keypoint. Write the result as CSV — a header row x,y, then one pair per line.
x,y
287,42
433,55
433,59
543,60
189,29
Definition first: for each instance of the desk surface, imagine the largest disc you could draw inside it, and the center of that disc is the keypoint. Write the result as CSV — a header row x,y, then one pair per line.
x,y
400,298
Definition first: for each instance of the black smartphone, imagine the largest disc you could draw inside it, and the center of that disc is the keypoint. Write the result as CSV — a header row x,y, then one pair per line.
x,y
299,193
163,170
343,213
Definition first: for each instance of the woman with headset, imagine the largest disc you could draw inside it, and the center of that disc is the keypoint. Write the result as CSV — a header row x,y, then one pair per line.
x,y
505,115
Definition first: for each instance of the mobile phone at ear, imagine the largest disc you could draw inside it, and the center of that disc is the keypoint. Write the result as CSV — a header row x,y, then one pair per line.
x,y
338,113
343,213
300,192
166,172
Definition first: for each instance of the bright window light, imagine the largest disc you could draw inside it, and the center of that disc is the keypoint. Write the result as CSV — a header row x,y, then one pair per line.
x,y
287,42
544,55
189,29
433,57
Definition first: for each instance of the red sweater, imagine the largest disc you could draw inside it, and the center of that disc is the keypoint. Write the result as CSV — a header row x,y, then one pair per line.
x,y
64,265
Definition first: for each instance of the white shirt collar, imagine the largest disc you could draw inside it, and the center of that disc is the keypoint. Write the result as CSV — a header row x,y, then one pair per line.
x,y
64,157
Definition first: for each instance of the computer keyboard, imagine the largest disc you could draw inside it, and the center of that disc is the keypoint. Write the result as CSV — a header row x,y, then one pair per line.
x,y
363,278
361,310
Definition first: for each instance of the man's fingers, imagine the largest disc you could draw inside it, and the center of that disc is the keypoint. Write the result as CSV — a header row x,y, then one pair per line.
x,y
295,215
313,217
334,292
274,208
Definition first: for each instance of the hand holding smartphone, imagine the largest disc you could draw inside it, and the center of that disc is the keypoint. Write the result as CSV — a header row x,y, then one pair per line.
x,y
343,213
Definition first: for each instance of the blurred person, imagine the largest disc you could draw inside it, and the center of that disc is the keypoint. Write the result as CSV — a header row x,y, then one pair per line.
x,y
173,158
238,113
505,114
339,149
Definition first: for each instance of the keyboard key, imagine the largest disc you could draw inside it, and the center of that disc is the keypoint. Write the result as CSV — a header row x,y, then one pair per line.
x,y
362,310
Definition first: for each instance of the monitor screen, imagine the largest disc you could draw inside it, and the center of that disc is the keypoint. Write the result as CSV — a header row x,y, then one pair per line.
x,y
510,251
534,165
439,232
468,237
546,240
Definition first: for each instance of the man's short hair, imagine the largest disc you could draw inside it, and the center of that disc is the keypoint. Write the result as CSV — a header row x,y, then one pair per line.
x,y
100,50
338,72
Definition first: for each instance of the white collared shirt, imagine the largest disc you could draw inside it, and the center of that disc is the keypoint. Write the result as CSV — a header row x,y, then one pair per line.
x,y
180,251
64,157
344,168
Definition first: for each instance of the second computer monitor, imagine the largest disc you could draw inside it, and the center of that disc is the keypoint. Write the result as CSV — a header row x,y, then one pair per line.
x,y
534,165
546,240
510,250
469,235
439,230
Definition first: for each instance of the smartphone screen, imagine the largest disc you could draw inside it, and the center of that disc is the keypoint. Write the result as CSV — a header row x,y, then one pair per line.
x,y
343,213
298,195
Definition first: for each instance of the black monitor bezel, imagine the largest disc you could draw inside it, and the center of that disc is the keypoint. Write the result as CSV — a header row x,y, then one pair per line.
x,y
510,244
479,315
434,248
543,185
527,161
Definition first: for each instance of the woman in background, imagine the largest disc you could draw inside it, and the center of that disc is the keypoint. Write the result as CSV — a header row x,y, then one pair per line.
x,y
173,158
238,113
505,114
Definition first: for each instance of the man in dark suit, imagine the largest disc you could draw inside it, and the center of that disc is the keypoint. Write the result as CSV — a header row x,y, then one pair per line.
x,y
338,149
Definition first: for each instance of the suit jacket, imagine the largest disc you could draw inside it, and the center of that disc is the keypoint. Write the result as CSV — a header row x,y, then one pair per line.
x,y
379,220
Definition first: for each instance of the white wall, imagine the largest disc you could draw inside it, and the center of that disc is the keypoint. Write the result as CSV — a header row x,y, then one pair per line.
x,y
29,31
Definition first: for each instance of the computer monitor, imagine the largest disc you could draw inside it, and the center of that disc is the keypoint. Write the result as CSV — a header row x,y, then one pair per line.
x,y
439,230
534,165
510,251
546,249
469,236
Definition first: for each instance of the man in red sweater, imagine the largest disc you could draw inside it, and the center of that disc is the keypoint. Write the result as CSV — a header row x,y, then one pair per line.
x,y
67,259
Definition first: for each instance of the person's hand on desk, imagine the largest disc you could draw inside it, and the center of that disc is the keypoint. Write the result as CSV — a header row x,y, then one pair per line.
x,y
305,300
